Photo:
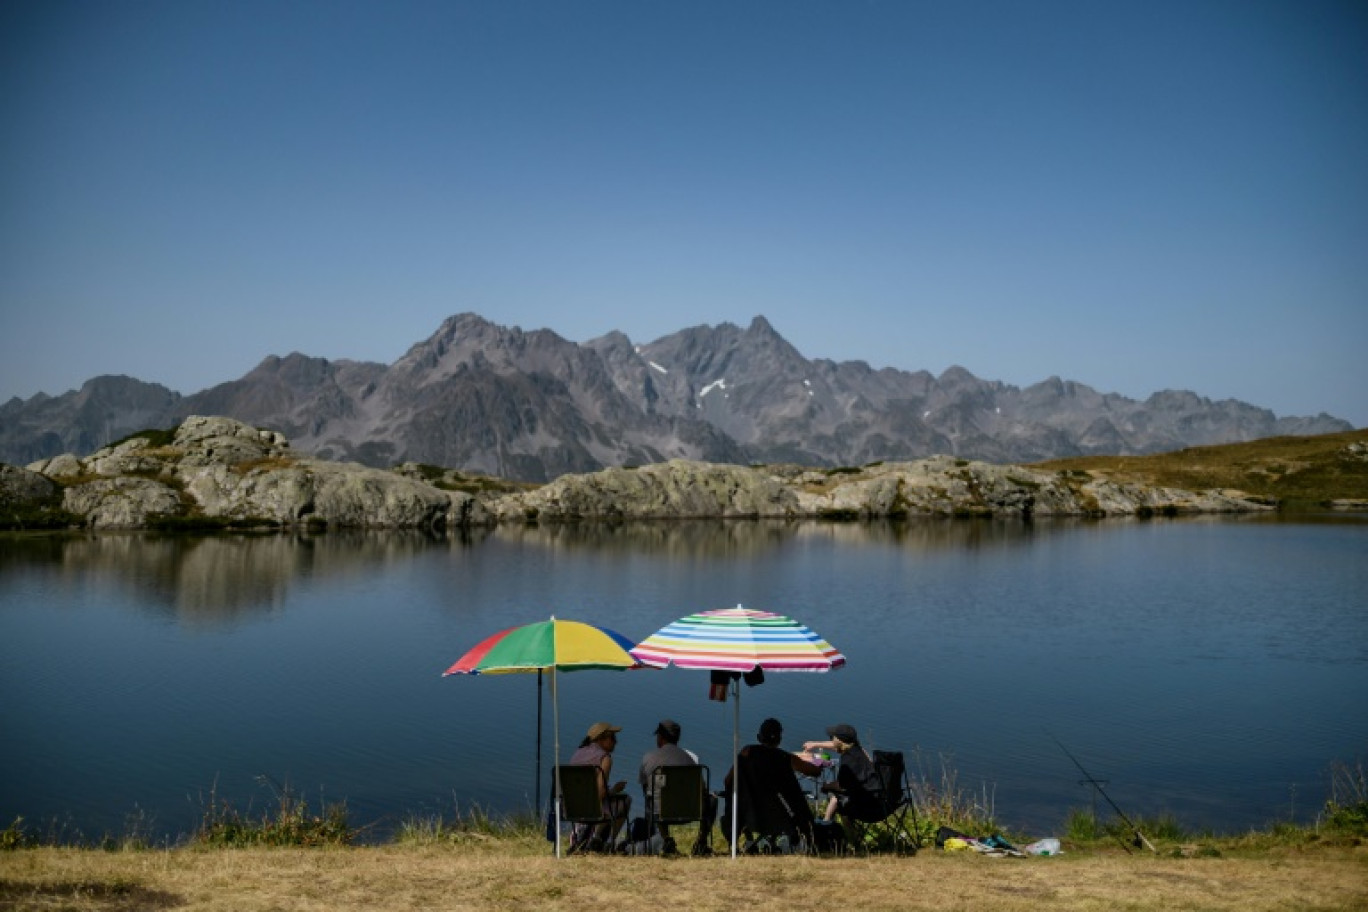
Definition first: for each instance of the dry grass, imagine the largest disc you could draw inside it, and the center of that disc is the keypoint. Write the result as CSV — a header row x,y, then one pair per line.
x,y
499,875
1295,469
264,464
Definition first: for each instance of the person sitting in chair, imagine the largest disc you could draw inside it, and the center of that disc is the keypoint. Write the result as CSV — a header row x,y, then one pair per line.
x,y
772,802
597,750
668,753
857,791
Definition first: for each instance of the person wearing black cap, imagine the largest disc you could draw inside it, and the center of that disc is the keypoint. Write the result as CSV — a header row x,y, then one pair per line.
x,y
668,753
855,791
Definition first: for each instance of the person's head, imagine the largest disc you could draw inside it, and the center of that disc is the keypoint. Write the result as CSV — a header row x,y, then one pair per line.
x,y
843,736
771,733
604,735
667,732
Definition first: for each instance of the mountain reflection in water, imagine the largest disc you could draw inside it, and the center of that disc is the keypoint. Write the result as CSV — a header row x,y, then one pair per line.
x,y
226,579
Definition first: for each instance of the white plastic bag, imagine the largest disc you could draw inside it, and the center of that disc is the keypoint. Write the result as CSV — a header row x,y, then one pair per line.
x,y
1043,847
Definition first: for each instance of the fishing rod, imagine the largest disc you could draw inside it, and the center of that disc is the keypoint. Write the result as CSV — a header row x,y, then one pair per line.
x,y
1097,784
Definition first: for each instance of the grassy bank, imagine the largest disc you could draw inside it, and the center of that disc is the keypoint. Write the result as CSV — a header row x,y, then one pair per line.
x,y
292,856
295,858
1298,472
497,873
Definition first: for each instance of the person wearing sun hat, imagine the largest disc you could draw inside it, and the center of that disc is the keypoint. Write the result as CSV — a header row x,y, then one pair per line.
x,y
597,750
854,793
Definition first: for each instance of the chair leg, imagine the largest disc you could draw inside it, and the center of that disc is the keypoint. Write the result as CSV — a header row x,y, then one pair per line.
x,y
576,843
855,838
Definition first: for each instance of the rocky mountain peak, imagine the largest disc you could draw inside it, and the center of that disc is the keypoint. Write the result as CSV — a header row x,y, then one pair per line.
x,y
531,405
956,376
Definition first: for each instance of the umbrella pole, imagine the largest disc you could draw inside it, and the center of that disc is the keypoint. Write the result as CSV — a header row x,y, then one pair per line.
x,y
736,762
537,785
555,724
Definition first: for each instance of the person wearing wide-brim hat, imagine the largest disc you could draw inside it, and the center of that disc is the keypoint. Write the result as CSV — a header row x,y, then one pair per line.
x,y
854,793
597,750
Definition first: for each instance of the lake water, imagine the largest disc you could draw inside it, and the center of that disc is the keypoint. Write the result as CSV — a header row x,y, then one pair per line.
x,y
1212,669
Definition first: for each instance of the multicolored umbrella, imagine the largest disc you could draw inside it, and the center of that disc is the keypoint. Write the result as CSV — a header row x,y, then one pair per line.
x,y
552,645
567,645
738,640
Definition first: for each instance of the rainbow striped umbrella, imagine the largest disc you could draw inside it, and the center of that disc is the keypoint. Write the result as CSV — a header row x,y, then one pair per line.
x,y
552,645
738,640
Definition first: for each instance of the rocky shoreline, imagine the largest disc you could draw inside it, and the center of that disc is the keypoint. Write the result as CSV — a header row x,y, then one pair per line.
x,y
216,472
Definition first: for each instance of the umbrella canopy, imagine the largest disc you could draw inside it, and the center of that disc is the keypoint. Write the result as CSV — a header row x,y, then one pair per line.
x,y
552,645
738,640
561,644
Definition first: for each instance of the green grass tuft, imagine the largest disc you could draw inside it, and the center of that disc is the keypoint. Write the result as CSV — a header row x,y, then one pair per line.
x,y
472,825
289,823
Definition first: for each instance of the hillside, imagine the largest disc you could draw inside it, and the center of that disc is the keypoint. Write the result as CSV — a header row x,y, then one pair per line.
x,y
1297,471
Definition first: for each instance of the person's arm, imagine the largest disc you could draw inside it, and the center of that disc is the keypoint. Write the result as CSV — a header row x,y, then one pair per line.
x,y
606,767
616,787
809,746
805,766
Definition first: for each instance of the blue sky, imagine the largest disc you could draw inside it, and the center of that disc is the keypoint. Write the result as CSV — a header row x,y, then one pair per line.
x,y
1138,196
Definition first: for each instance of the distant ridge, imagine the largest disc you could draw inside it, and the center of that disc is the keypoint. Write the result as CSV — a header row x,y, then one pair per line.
x,y
531,405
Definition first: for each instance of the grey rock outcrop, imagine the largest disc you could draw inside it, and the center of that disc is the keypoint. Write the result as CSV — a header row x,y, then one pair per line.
x,y
939,486
678,489
23,487
125,502
221,469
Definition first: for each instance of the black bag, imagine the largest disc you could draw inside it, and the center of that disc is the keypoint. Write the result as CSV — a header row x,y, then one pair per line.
x,y
830,838
945,833
638,830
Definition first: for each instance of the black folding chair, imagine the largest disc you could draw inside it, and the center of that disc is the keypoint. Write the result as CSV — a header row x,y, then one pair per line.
x,y
772,807
581,803
883,825
678,795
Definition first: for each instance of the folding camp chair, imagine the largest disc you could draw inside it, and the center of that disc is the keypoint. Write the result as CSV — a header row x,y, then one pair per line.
x,y
581,804
680,794
773,809
886,823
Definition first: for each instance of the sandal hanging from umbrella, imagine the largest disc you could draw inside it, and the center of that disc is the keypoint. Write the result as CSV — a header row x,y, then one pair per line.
x,y
552,645
738,640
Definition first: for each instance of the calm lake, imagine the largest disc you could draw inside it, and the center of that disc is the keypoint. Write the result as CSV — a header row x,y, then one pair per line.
x,y
1212,669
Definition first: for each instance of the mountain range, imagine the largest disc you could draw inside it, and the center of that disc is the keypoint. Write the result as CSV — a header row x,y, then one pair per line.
x,y
531,405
